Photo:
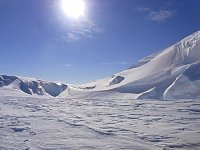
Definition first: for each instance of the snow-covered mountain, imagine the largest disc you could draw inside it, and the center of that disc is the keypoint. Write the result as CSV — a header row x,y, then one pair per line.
x,y
31,86
173,73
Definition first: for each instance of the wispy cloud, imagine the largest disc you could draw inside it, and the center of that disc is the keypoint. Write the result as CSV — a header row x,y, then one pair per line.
x,y
71,37
66,65
161,15
142,9
82,29
115,63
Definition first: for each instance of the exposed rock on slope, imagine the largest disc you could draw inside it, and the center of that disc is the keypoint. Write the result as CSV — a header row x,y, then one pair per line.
x,y
32,86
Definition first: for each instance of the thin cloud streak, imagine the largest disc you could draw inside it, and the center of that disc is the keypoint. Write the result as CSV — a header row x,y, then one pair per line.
x,y
142,9
115,63
161,15
66,65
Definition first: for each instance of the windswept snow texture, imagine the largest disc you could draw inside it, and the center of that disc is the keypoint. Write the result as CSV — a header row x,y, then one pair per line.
x,y
28,123
32,86
169,74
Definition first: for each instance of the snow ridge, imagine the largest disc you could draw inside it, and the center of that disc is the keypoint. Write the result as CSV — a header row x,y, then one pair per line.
x,y
159,75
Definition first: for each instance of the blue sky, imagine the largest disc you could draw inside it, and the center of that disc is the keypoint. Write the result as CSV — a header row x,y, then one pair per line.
x,y
39,40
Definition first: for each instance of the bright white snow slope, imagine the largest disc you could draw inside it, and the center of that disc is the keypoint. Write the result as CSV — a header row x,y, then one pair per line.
x,y
173,73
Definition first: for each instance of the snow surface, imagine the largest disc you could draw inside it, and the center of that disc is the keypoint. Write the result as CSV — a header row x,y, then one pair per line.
x,y
33,122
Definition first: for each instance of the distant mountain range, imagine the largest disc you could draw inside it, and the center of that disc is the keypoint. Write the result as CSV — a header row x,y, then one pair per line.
x,y
173,73
32,86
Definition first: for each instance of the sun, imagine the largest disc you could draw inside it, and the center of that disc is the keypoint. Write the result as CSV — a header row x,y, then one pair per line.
x,y
73,8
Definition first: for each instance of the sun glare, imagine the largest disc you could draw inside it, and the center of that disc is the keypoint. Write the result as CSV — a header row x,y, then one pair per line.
x,y
73,8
